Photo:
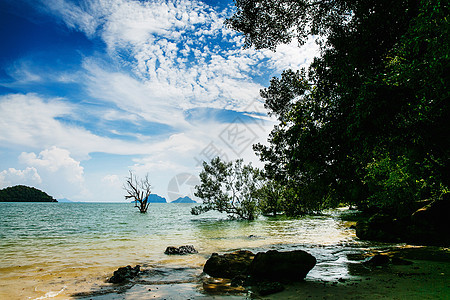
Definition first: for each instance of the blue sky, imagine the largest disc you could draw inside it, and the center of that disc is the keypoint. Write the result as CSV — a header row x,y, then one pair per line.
x,y
91,89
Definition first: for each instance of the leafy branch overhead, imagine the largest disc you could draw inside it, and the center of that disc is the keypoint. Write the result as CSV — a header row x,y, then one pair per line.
x,y
268,23
369,114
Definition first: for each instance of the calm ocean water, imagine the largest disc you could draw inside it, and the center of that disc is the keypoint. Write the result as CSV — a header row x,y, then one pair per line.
x,y
53,250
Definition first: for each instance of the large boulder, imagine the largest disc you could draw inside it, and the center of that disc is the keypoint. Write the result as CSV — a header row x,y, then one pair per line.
x,y
434,214
380,227
377,260
427,225
182,250
228,265
430,223
281,266
124,274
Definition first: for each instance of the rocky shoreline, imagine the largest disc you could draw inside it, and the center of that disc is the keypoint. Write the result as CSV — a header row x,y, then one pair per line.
x,y
377,274
385,272
263,273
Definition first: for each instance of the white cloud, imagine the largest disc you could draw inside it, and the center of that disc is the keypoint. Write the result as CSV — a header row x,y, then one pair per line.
x,y
162,59
32,121
153,103
55,161
111,180
62,176
53,170
12,176
23,73
291,56
73,15
181,54
25,117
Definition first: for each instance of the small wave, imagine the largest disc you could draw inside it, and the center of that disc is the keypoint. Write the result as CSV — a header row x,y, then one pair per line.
x,y
50,294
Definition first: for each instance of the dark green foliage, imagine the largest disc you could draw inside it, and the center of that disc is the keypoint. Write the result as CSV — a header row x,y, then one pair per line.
x,y
271,197
228,187
21,193
268,23
366,125
392,184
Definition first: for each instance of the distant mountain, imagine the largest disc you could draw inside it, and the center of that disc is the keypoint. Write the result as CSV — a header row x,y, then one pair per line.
x,y
21,193
64,200
185,199
154,198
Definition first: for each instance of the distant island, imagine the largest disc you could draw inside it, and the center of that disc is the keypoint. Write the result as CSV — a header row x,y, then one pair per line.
x,y
65,200
154,198
21,193
185,199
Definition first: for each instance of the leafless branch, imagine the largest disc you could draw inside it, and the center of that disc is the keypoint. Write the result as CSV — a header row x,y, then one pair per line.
x,y
139,190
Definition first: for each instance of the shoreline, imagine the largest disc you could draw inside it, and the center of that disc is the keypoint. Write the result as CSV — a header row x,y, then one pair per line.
x,y
426,278
58,262
421,280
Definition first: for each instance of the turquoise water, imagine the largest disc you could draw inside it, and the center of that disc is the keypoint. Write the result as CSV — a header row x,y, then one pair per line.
x,y
53,250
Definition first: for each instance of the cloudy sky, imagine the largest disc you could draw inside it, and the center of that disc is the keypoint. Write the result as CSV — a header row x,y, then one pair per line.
x,y
91,89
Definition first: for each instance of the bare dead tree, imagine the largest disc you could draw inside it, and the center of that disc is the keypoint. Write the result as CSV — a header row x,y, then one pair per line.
x,y
138,190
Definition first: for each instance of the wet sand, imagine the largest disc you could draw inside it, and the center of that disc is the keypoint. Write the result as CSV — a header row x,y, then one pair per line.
x,y
421,280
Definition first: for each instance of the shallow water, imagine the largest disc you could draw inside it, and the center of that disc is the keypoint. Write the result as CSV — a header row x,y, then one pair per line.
x,y
54,250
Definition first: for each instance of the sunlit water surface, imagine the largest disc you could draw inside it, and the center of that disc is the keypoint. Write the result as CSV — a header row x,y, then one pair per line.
x,y
53,250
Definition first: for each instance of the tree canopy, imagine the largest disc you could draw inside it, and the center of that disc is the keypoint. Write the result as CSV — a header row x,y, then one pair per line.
x,y
366,123
229,187
22,193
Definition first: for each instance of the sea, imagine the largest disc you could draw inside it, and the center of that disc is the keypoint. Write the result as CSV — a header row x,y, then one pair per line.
x,y
69,250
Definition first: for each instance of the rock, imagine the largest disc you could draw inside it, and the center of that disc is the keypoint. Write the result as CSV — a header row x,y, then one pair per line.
x,y
400,261
281,266
182,250
377,260
434,214
228,265
427,225
240,280
430,223
380,227
214,286
124,274
268,288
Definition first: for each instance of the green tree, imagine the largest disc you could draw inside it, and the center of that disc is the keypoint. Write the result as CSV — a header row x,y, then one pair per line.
x,y
22,193
419,66
138,190
229,187
374,102
271,195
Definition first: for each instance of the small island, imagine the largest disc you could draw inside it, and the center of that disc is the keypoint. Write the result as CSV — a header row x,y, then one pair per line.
x,y
185,199
21,193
